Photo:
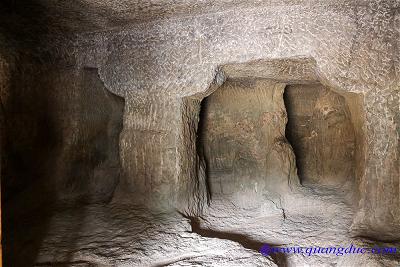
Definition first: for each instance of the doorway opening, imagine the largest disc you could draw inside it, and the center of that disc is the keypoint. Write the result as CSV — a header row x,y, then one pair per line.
x,y
253,134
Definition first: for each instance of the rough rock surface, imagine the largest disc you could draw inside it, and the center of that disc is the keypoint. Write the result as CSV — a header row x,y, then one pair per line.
x,y
355,50
121,235
243,138
318,216
321,131
101,100
61,123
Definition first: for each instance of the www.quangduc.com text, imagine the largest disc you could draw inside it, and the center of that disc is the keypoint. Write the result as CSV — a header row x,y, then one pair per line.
x,y
336,250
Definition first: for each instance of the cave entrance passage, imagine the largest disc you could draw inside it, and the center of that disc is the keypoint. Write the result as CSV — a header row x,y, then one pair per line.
x,y
247,126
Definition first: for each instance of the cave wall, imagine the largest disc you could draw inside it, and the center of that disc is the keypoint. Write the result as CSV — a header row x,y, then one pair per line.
x,y
243,135
4,87
159,64
60,133
355,50
61,136
321,131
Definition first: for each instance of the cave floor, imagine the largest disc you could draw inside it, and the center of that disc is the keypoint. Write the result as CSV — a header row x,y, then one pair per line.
x,y
311,216
119,235
227,235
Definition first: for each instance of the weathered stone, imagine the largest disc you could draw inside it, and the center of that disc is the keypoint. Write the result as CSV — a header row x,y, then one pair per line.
x,y
320,130
195,106
243,136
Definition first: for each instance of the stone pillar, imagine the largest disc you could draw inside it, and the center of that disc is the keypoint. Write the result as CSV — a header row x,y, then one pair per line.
x,y
158,152
193,191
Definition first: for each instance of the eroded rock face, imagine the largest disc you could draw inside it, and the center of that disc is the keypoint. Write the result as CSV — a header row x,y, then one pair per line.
x,y
320,130
355,50
61,123
243,134
88,163
123,236
61,136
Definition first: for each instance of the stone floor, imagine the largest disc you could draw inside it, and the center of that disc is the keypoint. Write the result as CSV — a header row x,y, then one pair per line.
x,y
229,234
121,235
311,216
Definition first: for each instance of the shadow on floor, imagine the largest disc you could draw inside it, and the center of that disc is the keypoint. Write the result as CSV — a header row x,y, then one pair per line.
x,y
247,242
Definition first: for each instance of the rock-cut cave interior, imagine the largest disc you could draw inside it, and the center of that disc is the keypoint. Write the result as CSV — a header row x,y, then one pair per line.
x,y
200,133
